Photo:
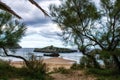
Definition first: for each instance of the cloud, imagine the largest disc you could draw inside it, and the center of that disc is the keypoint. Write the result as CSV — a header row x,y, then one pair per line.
x,y
47,31
40,21
50,34
31,15
41,31
36,40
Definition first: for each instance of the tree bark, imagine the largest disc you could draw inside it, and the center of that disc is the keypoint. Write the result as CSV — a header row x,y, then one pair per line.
x,y
117,62
95,63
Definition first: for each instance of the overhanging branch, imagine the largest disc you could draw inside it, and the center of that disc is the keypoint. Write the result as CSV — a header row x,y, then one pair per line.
x,y
20,57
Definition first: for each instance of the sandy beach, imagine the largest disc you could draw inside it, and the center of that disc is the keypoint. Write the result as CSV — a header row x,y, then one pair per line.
x,y
51,63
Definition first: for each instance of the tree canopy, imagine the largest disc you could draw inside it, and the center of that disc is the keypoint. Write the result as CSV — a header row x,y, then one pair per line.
x,y
11,30
89,26
83,21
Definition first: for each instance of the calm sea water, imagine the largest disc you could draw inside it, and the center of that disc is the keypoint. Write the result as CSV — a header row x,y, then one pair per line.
x,y
25,51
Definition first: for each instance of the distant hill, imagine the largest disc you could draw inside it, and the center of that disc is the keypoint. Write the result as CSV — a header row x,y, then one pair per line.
x,y
52,49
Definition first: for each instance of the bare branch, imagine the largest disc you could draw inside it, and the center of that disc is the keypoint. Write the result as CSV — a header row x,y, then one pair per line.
x,y
34,3
5,7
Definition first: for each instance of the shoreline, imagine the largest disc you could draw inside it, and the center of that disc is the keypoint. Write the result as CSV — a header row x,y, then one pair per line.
x,y
72,56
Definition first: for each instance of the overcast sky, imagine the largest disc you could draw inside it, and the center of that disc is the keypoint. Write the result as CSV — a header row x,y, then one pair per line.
x,y
41,31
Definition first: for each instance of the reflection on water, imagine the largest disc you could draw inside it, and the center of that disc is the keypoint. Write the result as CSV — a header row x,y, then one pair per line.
x,y
25,51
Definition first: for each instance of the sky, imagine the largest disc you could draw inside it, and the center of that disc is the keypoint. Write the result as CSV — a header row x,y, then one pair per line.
x,y
41,31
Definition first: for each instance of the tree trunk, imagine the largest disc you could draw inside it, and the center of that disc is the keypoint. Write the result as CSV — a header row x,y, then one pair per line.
x,y
20,57
95,63
117,62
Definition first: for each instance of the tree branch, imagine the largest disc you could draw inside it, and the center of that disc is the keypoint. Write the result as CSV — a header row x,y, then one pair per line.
x,y
34,3
5,7
20,57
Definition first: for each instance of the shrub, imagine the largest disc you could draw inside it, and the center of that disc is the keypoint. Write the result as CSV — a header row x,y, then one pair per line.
x,y
36,69
62,70
6,70
76,66
85,62
103,72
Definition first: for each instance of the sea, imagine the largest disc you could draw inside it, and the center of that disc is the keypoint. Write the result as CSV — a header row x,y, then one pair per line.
x,y
25,52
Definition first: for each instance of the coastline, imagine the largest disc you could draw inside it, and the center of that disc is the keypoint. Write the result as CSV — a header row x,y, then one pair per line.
x,y
25,51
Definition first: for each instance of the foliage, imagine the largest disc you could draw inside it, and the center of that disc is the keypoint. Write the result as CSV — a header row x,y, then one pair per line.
x,y
85,62
90,27
78,20
36,70
11,30
8,72
76,66
62,70
5,68
104,74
